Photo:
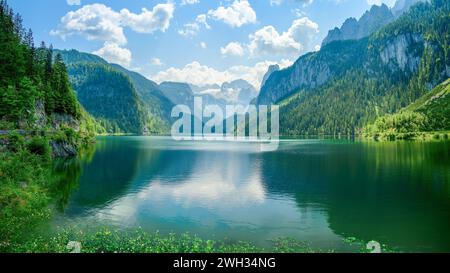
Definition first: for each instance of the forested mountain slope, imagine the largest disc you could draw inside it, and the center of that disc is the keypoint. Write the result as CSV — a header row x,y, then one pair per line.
x,y
122,100
109,96
348,84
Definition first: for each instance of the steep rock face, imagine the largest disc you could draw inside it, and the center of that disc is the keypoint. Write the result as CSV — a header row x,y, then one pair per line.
x,y
56,122
312,70
352,29
272,68
63,149
403,52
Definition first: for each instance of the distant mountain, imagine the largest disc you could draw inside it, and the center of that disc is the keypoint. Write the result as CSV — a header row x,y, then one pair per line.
x,y
177,93
140,108
235,92
348,84
200,89
352,29
238,92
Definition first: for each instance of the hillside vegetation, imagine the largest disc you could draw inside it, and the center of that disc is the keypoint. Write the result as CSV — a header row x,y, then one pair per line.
x,y
121,100
430,113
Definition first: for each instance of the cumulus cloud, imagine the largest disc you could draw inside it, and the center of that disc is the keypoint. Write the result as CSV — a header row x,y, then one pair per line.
x,y
73,2
192,29
232,49
100,22
113,53
298,38
149,21
94,22
201,75
236,15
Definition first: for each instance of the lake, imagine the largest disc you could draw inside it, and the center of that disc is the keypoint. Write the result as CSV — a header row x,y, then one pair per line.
x,y
317,191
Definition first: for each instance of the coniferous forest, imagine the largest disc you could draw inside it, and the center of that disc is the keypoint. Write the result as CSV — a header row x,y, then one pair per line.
x,y
30,73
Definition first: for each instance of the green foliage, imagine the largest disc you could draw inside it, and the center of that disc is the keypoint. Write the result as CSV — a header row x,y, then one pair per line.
x,y
430,112
28,74
24,180
39,146
15,141
109,240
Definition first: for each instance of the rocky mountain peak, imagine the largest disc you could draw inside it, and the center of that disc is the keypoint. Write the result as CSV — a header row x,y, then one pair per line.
x,y
352,29
269,72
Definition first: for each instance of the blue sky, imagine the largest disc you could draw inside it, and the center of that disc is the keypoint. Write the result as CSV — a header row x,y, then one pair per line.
x,y
196,41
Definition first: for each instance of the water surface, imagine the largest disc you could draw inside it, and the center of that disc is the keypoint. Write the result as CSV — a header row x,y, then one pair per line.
x,y
318,191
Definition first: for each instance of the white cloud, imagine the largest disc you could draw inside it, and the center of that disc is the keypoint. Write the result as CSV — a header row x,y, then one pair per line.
x,y
101,23
95,22
149,21
201,75
156,62
236,15
192,29
113,53
303,2
232,49
73,2
201,19
189,2
203,45
298,38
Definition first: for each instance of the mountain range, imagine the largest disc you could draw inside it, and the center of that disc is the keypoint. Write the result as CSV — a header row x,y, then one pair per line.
x,y
371,21
369,67
126,102
349,83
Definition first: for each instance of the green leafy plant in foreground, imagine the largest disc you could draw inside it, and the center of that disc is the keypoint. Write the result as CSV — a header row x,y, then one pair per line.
x,y
138,241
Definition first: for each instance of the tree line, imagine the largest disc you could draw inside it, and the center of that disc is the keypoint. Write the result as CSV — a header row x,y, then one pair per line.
x,y
29,74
